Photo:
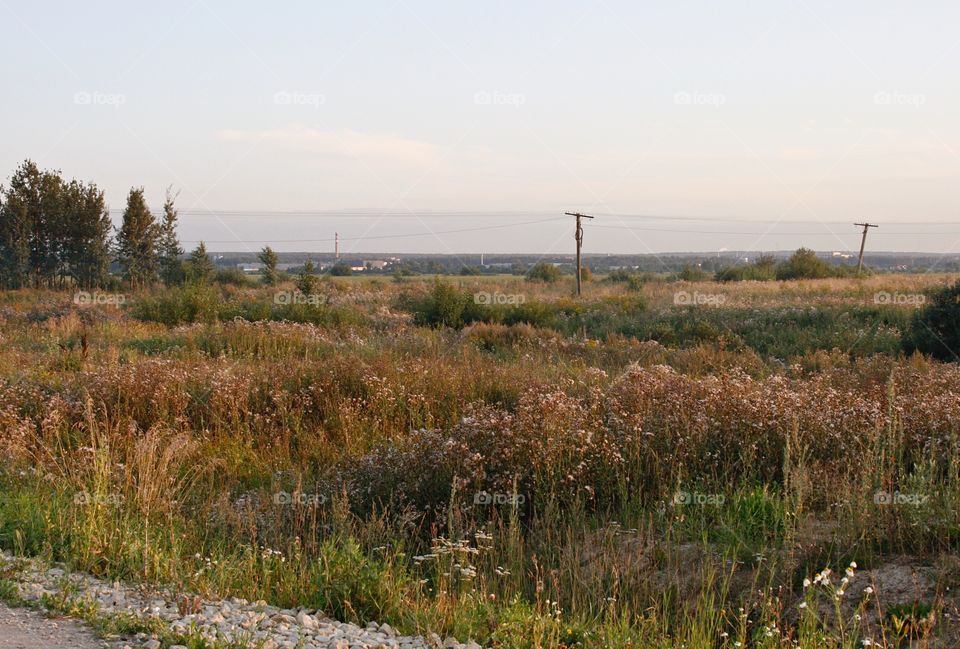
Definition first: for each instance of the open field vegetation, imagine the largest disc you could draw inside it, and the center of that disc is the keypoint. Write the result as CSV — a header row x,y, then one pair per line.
x,y
657,464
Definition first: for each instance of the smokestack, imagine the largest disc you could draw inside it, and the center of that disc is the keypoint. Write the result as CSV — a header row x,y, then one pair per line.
x,y
336,245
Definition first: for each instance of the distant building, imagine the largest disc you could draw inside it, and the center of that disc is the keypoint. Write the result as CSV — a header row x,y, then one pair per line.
x,y
376,264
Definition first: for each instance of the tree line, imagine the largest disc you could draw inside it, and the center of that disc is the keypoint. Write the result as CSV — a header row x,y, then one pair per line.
x,y
56,233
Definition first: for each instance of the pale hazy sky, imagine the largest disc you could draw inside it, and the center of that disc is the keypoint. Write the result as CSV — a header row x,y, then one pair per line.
x,y
806,115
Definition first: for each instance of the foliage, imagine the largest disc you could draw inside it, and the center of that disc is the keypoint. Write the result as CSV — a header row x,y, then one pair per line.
x,y
544,272
804,264
422,440
935,328
307,279
341,269
269,260
168,246
200,268
692,274
52,232
763,269
137,242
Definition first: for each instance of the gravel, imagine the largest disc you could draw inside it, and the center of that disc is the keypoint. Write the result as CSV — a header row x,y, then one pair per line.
x,y
26,629
258,624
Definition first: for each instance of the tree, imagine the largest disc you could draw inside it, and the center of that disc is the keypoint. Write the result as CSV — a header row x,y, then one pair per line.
x,y
199,267
27,238
544,272
52,231
15,231
804,264
341,269
168,246
269,260
307,279
85,248
137,242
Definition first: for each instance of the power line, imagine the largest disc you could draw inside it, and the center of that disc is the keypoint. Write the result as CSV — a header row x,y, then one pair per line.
x,y
391,236
770,232
466,214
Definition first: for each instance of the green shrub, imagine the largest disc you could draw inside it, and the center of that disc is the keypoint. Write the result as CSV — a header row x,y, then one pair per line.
x,y
233,277
180,305
935,329
544,272
307,280
634,281
341,269
443,307
352,586
804,264
693,274
764,269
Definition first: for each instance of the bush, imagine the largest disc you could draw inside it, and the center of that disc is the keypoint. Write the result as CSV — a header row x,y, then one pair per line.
x,y
544,272
306,281
764,269
341,269
443,307
181,305
692,274
353,586
804,264
935,329
233,277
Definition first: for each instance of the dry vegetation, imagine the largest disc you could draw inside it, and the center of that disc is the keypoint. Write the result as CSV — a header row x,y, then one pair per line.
x,y
614,472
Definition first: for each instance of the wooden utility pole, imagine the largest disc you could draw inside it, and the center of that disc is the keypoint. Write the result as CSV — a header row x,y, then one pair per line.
x,y
579,237
863,243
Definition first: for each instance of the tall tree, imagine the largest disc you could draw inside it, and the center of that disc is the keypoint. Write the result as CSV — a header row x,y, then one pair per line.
x,y
32,228
85,251
171,266
199,267
14,240
269,260
137,241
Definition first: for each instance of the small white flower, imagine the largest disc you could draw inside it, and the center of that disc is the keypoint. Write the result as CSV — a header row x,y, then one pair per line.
x,y
803,605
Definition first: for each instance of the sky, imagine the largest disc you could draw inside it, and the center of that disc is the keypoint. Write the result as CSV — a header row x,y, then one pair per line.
x,y
442,127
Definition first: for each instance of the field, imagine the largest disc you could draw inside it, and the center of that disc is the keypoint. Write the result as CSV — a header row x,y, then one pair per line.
x,y
656,464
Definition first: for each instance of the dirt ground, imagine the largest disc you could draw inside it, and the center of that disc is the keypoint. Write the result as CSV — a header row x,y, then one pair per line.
x,y
26,629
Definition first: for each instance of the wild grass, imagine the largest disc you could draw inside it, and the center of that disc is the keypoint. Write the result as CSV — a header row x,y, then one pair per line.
x,y
521,485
